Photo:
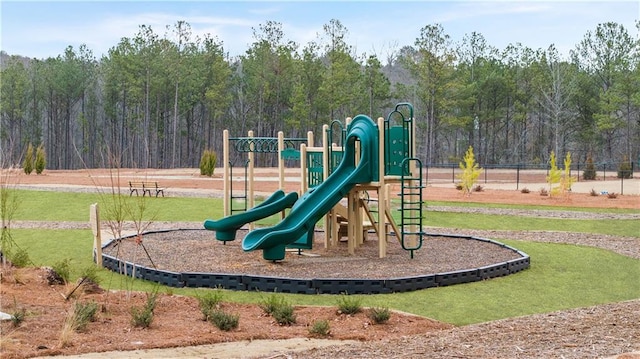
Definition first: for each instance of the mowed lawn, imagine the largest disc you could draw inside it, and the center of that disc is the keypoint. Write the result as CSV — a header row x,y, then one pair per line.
x,y
561,275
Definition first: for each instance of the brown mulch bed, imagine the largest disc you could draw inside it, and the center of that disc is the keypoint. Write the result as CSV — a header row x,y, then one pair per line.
x,y
198,251
177,321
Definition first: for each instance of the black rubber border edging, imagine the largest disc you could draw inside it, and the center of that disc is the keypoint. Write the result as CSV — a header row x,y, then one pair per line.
x,y
322,285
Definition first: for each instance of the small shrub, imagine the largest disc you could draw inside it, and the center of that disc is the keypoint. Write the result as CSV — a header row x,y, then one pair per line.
x,y
223,320
544,192
209,302
208,162
554,177
62,270
589,172
379,315
272,303
18,314
20,258
41,159
18,317
470,171
278,307
459,186
478,188
284,315
143,317
612,195
27,164
349,305
525,190
83,313
90,273
320,328
593,193
624,170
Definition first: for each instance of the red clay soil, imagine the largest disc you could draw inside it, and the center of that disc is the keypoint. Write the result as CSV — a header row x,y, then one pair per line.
x,y
190,179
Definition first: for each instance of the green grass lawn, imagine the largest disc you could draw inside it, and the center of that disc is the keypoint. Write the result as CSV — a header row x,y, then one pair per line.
x,y
561,276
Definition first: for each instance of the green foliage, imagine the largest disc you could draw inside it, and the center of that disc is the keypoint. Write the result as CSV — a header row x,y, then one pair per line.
x,y
284,314
589,172
18,315
41,159
272,302
208,162
19,258
349,304
63,269
379,315
83,313
279,308
320,328
27,164
143,317
9,205
470,171
90,273
223,320
624,170
208,302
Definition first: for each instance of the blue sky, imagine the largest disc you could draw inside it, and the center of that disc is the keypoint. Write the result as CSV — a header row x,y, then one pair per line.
x,y
44,29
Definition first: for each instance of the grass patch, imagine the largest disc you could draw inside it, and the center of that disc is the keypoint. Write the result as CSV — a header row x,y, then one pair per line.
x,y
561,276
626,227
529,207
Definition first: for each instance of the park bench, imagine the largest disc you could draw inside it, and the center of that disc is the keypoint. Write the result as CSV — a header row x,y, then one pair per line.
x,y
145,187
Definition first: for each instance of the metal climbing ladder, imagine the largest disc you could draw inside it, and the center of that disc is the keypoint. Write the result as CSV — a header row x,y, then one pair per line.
x,y
411,205
239,198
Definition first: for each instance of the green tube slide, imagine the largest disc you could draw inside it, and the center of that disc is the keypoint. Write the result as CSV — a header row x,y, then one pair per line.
x,y
226,227
315,203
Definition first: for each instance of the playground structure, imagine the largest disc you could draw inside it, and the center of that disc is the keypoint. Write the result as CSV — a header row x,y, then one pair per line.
x,y
371,158
365,163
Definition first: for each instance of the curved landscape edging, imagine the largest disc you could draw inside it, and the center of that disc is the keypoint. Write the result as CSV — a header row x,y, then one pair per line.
x,y
249,282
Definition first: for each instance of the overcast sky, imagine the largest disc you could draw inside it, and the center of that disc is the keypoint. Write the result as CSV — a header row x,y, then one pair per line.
x,y
44,29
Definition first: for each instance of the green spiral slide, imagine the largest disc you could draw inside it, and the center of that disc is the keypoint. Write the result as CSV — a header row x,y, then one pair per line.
x,y
315,203
226,227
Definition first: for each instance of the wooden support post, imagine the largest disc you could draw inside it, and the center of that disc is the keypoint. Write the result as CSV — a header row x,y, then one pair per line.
x,y
226,175
251,199
94,218
280,160
351,226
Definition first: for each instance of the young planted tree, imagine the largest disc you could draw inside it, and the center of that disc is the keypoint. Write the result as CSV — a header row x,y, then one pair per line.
x,y
554,177
208,162
560,181
41,159
470,171
27,164
589,172
567,180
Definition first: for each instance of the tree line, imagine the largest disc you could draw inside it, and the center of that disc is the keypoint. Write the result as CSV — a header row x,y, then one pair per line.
x,y
160,100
